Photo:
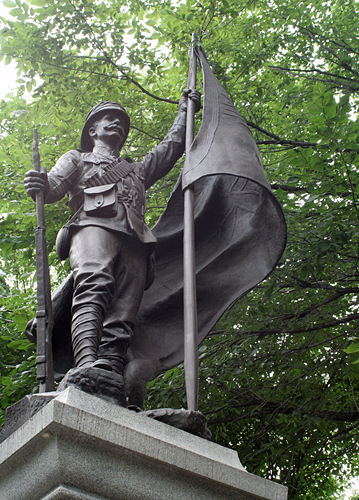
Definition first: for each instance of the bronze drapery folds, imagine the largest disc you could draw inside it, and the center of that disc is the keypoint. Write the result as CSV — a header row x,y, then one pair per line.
x,y
239,226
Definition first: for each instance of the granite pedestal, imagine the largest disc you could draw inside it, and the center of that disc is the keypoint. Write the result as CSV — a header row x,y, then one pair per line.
x,y
81,447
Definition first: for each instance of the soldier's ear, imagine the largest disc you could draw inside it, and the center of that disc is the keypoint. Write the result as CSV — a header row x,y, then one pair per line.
x,y
92,131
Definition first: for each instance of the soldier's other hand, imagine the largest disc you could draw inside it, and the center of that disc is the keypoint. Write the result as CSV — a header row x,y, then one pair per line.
x,y
34,181
194,95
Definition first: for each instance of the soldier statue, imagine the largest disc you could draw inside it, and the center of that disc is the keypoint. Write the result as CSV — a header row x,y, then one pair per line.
x,y
109,244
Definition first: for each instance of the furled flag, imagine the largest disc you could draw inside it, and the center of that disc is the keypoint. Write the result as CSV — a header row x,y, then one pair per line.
x,y
240,231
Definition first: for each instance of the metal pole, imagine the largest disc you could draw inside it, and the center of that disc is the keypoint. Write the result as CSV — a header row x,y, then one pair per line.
x,y
189,271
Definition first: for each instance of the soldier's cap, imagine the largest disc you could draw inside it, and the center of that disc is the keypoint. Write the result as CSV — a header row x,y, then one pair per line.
x,y
93,115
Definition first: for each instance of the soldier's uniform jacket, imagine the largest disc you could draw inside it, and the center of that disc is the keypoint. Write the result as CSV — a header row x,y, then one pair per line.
x,y
73,169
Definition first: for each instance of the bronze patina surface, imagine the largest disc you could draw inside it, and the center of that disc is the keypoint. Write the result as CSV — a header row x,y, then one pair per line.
x,y
112,312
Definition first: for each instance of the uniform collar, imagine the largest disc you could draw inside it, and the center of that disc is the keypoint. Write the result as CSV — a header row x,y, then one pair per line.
x,y
104,152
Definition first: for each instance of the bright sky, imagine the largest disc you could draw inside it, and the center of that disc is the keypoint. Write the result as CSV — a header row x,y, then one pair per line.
x,y
7,81
355,488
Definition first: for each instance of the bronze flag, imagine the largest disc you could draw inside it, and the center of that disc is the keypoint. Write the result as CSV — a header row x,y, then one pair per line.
x,y
240,231
224,144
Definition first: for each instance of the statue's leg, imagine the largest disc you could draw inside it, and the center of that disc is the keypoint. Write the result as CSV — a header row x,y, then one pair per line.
x,y
93,255
86,327
120,317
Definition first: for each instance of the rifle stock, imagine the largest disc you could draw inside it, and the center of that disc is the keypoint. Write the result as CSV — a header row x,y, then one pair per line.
x,y
44,363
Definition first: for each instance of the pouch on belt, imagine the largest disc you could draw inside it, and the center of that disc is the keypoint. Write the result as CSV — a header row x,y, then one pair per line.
x,y
101,201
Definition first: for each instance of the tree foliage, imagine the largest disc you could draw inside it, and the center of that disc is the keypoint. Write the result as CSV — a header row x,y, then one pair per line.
x,y
278,374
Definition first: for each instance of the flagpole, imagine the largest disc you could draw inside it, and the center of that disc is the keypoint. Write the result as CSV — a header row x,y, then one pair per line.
x,y
189,270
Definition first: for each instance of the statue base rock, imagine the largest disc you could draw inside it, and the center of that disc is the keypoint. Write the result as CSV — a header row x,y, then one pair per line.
x,y
81,447
106,385
101,383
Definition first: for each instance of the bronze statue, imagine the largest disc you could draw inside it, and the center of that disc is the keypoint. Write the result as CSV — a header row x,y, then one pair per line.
x,y
109,245
240,235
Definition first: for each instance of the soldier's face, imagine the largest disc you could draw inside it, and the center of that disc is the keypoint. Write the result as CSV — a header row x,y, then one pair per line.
x,y
108,129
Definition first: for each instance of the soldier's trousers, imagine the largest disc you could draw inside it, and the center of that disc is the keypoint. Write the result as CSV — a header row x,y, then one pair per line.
x,y
109,271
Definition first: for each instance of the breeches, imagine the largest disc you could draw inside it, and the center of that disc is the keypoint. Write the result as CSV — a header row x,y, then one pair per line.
x,y
109,273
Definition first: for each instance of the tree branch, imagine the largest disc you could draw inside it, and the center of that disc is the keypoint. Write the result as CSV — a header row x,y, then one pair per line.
x,y
320,326
313,36
146,133
301,144
343,85
322,286
311,309
119,69
270,407
298,71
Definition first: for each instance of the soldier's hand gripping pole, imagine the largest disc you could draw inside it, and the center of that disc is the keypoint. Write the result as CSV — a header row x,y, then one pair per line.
x,y
44,364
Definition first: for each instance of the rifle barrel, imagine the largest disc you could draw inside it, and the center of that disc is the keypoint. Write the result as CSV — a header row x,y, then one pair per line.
x,y
44,364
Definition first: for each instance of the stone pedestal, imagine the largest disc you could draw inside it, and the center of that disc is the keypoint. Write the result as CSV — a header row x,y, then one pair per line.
x,y
80,447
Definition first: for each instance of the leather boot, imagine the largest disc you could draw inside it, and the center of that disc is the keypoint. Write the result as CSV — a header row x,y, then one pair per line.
x,y
117,361
86,328
114,351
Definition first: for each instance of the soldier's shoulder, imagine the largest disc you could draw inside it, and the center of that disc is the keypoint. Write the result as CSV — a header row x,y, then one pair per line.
x,y
72,155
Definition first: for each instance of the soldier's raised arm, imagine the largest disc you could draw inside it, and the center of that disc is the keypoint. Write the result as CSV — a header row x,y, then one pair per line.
x,y
164,156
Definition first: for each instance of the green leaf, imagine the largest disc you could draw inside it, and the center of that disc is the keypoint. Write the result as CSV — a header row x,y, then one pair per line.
x,y
292,180
9,3
38,3
16,12
331,110
20,112
352,348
